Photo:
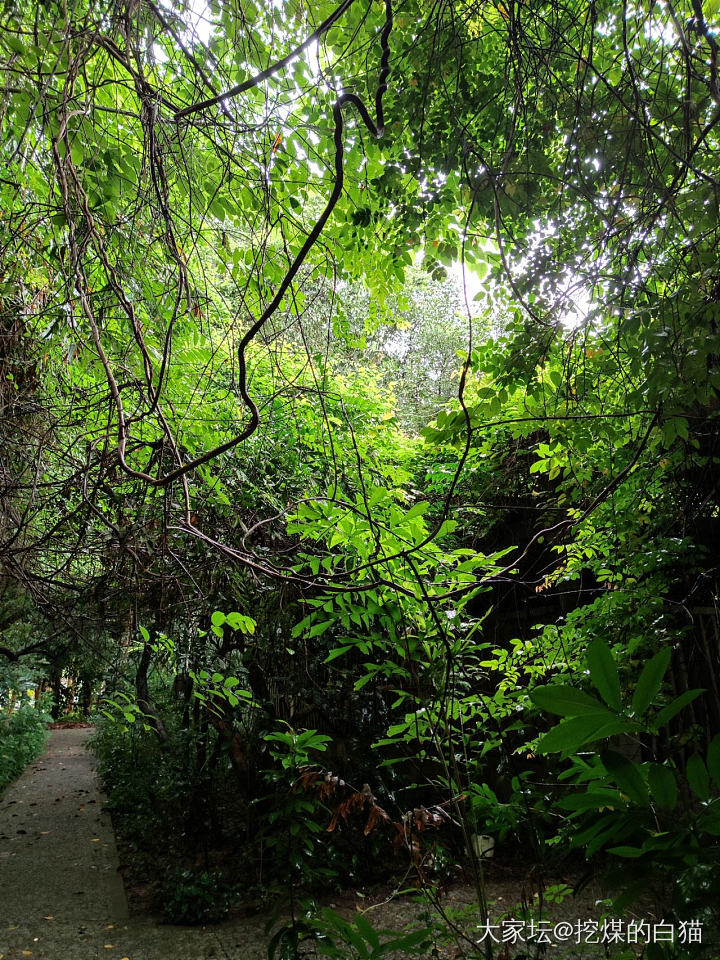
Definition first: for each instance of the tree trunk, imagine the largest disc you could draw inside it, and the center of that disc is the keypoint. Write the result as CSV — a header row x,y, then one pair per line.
x,y
148,708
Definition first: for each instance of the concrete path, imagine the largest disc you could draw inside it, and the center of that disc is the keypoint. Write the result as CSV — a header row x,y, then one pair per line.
x,y
61,896
57,849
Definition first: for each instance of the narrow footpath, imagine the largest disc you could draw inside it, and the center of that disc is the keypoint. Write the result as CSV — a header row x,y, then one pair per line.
x,y
61,895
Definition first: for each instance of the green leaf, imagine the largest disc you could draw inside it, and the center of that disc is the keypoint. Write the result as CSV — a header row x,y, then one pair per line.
x,y
592,800
613,727
417,509
675,706
367,930
697,776
603,673
710,823
650,680
663,786
568,735
357,943
338,652
597,827
409,941
14,43
713,759
627,775
565,701
633,852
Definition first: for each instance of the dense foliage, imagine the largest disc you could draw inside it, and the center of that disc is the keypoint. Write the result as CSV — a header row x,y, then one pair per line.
x,y
22,737
359,386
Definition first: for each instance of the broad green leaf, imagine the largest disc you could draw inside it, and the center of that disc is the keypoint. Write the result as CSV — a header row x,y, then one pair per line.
x,y
709,822
697,776
650,680
565,701
609,833
367,930
632,852
417,509
663,786
604,673
409,941
674,707
627,775
571,734
593,800
357,943
338,652
597,826
713,759
613,727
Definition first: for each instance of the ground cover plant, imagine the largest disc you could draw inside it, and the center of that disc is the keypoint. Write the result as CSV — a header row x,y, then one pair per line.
x,y
359,447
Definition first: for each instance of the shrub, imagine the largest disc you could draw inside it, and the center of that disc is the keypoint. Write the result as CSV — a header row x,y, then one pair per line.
x,y
22,737
194,898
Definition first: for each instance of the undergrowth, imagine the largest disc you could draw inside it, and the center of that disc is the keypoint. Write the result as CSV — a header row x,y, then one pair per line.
x,y
22,737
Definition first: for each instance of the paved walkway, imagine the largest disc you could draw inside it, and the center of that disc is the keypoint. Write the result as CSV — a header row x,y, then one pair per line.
x,y
61,896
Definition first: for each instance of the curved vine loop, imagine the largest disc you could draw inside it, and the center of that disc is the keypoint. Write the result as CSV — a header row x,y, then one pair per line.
x,y
376,128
